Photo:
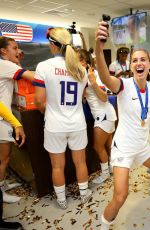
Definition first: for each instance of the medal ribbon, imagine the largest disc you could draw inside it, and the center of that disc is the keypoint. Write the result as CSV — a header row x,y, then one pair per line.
x,y
144,109
124,70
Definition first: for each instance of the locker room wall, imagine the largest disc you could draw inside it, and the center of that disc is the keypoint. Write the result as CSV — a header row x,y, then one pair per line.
x,y
34,53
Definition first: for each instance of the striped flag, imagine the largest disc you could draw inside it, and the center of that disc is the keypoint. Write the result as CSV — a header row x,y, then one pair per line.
x,y
19,32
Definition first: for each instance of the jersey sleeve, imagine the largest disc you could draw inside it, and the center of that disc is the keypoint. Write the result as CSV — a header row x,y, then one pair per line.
x,y
39,79
8,116
121,86
11,70
112,69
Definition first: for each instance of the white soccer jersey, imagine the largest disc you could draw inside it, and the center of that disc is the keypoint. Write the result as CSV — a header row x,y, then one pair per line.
x,y
98,107
115,68
130,136
9,72
64,111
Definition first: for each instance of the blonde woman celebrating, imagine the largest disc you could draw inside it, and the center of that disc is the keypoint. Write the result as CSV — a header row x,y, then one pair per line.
x,y
60,82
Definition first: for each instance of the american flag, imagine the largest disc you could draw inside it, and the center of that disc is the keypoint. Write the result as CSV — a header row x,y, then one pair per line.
x,y
16,31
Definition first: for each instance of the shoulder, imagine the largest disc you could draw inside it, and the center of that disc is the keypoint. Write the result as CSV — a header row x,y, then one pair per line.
x,y
8,63
125,85
127,82
44,62
113,64
43,65
7,68
51,61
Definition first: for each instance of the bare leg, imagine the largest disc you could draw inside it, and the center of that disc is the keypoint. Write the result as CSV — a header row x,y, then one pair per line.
x,y
101,142
79,160
58,166
58,177
121,177
147,163
5,149
108,144
108,148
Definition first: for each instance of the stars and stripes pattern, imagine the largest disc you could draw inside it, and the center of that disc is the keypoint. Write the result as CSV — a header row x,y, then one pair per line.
x,y
17,31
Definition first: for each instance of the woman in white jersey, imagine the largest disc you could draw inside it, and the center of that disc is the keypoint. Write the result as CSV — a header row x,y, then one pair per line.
x,y
9,72
6,114
130,142
103,113
121,66
60,82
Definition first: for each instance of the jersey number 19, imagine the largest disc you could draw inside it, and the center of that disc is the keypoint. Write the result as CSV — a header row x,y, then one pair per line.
x,y
68,87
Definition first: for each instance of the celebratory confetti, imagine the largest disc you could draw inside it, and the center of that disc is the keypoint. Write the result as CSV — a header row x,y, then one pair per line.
x,y
43,213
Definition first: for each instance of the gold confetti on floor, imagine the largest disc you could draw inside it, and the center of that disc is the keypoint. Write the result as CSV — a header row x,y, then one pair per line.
x,y
44,213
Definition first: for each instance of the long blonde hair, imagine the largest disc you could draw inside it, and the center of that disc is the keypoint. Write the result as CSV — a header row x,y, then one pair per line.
x,y
63,41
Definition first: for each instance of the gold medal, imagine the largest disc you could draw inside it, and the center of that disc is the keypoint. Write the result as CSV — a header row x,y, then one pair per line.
x,y
142,123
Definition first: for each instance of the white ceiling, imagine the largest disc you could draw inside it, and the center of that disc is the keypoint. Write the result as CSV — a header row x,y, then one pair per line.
x,y
86,13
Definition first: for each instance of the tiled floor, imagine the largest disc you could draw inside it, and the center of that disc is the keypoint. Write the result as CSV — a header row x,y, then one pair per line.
x,y
42,214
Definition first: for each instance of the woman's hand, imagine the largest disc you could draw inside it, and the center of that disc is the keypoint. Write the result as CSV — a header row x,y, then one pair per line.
x,y
101,33
20,136
91,75
101,94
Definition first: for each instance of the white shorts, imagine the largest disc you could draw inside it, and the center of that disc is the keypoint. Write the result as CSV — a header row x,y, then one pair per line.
x,y
120,159
107,126
57,142
5,132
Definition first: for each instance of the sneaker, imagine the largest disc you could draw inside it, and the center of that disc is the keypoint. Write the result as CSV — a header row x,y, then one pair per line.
x,y
10,198
10,225
85,198
100,179
62,204
8,186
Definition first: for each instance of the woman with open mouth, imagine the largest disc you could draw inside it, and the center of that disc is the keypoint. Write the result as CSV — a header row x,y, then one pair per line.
x,y
130,142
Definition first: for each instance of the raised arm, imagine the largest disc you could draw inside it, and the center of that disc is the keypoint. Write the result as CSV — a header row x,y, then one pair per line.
x,y
83,41
110,81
